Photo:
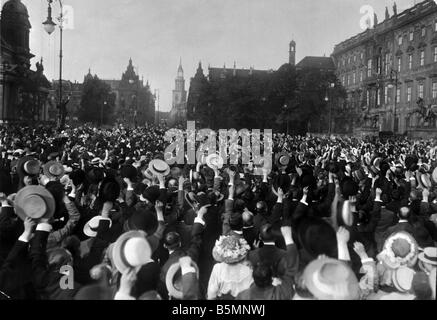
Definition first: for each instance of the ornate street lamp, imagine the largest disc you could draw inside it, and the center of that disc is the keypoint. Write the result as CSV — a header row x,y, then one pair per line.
x,y
49,27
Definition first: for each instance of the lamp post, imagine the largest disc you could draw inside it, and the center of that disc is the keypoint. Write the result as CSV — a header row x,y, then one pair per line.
x,y
49,27
395,74
286,108
331,86
101,113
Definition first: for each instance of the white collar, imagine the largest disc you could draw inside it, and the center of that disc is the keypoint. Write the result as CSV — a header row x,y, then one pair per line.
x,y
270,243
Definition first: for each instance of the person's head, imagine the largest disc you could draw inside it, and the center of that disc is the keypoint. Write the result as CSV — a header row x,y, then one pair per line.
x,y
58,258
236,221
266,233
261,208
404,213
172,241
262,275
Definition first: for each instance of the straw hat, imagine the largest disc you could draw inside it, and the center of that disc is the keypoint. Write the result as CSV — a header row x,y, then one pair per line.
x,y
159,167
429,255
35,202
173,280
53,170
402,279
331,279
131,250
214,161
90,228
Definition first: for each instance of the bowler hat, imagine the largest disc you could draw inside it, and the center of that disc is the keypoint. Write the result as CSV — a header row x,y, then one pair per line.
x,y
129,171
35,202
317,237
349,187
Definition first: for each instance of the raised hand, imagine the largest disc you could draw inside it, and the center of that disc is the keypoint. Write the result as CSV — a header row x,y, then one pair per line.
x,y
360,250
343,235
127,281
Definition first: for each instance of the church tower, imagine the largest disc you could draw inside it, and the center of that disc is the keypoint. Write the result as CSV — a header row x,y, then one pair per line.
x,y
179,93
292,53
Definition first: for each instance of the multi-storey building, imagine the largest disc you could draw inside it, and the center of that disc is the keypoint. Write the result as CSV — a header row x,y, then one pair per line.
x,y
390,73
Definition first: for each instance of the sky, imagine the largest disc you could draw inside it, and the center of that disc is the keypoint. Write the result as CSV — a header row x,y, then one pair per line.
x,y
156,34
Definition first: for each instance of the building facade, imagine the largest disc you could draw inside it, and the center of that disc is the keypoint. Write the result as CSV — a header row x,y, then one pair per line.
x,y
390,73
134,103
23,92
178,113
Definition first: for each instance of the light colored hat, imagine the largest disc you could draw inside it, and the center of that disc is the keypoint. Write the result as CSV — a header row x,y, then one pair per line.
x,y
35,202
400,249
131,250
90,228
53,169
173,280
402,279
331,279
434,175
429,255
230,249
214,161
159,167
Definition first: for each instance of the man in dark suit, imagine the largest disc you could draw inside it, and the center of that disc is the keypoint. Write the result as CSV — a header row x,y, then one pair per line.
x,y
172,242
263,287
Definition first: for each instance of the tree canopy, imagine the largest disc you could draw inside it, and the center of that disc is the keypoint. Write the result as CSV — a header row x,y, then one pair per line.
x,y
268,100
98,103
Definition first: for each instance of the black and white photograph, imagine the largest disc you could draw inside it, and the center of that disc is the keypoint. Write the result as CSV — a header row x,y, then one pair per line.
x,y
234,152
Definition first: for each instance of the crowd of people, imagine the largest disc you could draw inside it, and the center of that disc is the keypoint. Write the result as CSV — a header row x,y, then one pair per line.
x,y
97,214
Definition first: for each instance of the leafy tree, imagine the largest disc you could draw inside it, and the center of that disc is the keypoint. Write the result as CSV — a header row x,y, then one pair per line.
x,y
98,103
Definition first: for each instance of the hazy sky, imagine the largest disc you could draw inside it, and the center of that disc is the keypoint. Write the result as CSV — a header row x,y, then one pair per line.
x,y
156,33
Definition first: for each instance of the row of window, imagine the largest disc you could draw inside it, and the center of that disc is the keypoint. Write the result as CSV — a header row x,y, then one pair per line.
x,y
400,41
411,34
420,93
352,79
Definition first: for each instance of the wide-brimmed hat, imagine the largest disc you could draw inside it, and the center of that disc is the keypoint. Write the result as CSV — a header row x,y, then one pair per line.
x,y
159,167
230,249
434,175
400,249
283,159
317,237
28,166
214,161
322,277
402,279
53,169
424,180
131,250
35,202
90,228
429,255
173,280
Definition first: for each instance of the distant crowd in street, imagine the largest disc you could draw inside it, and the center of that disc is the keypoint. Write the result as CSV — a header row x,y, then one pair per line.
x,y
97,214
